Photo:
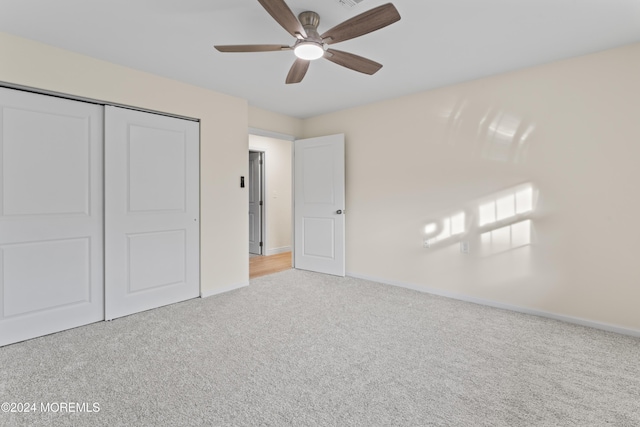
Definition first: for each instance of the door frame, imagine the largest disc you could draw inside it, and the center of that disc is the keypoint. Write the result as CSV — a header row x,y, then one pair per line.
x,y
262,191
292,139
97,101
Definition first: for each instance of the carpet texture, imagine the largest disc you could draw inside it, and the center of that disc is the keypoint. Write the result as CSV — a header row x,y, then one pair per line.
x,y
305,349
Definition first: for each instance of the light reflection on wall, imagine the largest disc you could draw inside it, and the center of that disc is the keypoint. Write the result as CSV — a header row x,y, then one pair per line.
x,y
506,138
500,135
501,221
453,225
506,207
506,238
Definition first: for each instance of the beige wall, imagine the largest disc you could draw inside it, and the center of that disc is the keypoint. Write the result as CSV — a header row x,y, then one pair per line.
x,y
273,122
223,138
569,130
278,201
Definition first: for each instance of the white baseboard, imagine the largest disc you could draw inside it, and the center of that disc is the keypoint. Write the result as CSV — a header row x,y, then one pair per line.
x,y
206,294
489,303
275,251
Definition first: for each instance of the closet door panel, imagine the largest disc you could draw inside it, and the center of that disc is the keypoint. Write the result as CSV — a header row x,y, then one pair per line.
x,y
51,215
152,211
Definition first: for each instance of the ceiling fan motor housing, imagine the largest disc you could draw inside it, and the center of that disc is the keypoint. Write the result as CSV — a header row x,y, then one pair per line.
x,y
312,47
310,21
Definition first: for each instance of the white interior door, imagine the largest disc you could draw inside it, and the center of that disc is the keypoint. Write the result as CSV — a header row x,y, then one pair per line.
x,y
152,211
255,203
319,204
51,268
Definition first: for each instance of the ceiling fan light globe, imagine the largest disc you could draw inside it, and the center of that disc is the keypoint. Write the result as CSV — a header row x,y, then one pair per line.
x,y
308,51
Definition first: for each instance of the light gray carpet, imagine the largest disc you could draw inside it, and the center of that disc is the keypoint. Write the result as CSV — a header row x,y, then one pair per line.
x,y
298,348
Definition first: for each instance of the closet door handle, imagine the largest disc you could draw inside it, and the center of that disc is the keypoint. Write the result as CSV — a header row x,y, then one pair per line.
x,y
339,211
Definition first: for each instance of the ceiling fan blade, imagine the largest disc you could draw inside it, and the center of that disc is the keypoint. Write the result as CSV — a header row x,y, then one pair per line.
x,y
297,71
354,62
279,10
364,23
251,48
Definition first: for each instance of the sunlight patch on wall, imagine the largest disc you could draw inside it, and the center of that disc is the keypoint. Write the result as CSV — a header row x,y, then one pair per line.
x,y
524,201
450,226
506,238
498,222
505,207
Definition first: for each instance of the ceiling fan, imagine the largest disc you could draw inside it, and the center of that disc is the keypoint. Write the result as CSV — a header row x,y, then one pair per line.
x,y
311,45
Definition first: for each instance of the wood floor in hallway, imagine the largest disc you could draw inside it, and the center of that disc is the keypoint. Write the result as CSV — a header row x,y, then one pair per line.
x,y
263,265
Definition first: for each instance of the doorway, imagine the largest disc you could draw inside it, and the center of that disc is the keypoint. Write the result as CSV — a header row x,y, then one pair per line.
x,y
320,201
256,196
270,183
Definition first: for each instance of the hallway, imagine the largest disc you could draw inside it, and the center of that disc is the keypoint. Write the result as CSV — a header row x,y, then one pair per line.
x,y
264,265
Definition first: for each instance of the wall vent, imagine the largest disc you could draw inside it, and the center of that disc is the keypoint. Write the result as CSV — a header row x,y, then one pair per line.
x,y
349,3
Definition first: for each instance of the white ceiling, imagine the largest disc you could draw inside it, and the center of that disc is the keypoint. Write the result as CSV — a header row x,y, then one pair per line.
x,y
436,43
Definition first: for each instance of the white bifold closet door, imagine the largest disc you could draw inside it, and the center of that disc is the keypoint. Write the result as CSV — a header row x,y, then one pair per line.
x,y
151,211
51,215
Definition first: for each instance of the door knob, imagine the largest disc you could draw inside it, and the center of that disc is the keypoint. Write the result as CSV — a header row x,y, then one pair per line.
x,y
339,211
